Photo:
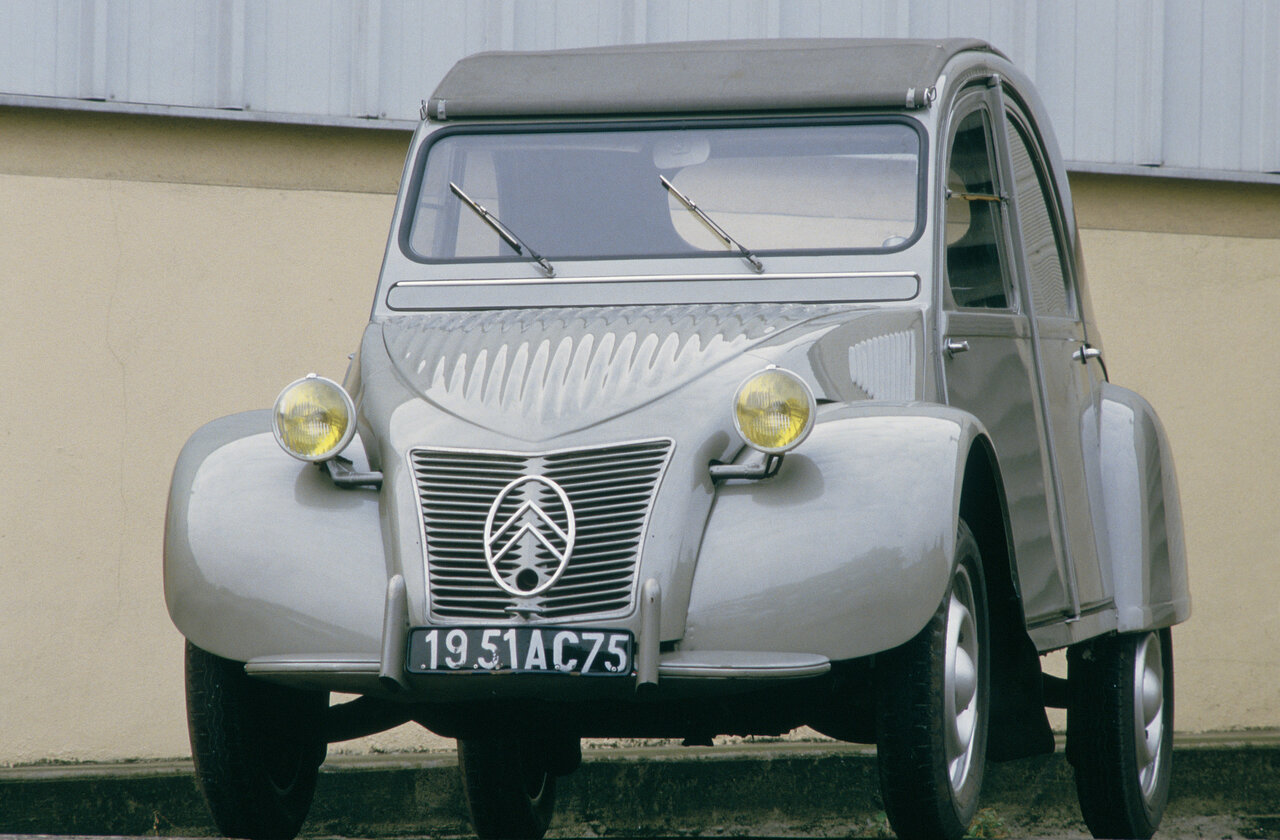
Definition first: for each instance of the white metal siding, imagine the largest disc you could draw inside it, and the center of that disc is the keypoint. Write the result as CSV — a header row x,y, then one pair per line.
x,y
1191,86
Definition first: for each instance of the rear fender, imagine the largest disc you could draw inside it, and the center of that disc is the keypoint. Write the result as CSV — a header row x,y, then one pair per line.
x,y
1139,493
264,555
847,551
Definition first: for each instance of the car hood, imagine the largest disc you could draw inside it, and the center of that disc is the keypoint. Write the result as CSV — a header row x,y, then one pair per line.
x,y
535,374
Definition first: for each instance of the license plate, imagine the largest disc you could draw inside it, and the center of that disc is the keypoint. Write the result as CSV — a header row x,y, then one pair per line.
x,y
554,650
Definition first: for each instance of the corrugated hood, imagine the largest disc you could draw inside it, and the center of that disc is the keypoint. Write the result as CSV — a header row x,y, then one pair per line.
x,y
534,374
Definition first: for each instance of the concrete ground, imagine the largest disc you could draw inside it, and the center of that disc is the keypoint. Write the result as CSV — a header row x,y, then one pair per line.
x,y
1224,786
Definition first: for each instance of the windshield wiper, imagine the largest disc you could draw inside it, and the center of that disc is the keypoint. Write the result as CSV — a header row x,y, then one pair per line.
x,y
720,232
508,235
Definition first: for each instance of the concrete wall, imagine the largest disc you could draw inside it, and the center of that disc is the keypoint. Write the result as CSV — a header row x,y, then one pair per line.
x,y
157,273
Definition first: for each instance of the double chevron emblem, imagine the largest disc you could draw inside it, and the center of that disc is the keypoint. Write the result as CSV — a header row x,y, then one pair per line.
x,y
529,535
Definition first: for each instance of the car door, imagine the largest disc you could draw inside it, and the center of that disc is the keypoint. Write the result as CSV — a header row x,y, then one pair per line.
x,y
1070,385
988,350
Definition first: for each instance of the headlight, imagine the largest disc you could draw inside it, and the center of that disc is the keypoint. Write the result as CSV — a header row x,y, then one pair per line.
x,y
773,410
313,418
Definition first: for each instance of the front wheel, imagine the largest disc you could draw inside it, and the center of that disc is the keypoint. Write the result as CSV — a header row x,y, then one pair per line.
x,y
1120,730
257,747
509,786
932,703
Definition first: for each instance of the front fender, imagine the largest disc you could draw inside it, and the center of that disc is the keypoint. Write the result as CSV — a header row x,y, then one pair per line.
x,y
1144,534
847,551
264,555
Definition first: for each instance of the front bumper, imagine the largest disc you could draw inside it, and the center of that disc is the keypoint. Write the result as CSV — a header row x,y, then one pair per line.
x,y
675,672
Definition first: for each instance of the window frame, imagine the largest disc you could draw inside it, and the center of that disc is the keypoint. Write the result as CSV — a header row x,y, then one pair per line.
x,y
404,233
1016,121
969,102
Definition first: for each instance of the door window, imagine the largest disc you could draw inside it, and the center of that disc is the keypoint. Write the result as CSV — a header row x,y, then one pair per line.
x,y
1047,275
975,269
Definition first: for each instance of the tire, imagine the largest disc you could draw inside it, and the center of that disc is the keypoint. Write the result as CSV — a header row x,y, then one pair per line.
x,y
931,711
1120,730
509,789
257,747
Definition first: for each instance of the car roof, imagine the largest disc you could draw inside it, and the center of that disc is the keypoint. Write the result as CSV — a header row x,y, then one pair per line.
x,y
699,77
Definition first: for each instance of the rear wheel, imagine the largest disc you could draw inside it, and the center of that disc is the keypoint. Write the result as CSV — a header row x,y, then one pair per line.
x,y
932,702
510,788
1120,730
257,747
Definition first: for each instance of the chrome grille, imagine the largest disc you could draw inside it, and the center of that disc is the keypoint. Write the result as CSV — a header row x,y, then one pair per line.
x,y
611,490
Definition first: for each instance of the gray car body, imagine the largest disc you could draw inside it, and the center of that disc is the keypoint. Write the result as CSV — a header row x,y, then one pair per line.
x,y
846,552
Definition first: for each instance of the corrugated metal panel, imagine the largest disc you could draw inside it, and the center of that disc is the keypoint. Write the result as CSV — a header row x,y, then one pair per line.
x,y
1186,86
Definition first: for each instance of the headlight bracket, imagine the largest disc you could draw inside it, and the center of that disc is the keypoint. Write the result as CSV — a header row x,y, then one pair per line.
x,y
340,470
758,465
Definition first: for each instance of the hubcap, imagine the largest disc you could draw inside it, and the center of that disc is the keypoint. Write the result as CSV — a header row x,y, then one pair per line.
x,y
1148,711
960,688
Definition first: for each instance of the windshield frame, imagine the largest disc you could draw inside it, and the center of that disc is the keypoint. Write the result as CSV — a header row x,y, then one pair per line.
x,y
417,173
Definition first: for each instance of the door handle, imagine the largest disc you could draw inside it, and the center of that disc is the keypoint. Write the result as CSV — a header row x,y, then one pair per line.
x,y
952,346
1085,353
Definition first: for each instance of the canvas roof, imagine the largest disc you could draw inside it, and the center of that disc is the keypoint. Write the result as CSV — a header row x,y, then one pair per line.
x,y
698,77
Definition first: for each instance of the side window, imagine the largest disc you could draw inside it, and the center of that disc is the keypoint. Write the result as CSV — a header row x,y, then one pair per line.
x,y
1050,294
975,271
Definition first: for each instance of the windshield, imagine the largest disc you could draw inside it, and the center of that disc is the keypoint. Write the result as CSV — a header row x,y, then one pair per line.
x,y
573,194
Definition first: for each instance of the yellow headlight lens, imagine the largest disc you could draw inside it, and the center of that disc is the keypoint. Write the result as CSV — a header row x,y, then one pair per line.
x,y
313,419
773,410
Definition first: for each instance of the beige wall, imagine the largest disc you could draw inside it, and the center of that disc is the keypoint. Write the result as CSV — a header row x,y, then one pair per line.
x,y
134,310
1185,279
1190,322
157,273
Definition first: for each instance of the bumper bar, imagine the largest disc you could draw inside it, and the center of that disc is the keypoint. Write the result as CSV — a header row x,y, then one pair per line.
x,y
650,663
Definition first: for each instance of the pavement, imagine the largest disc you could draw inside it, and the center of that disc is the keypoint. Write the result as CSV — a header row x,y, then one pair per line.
x,y
1224,785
